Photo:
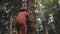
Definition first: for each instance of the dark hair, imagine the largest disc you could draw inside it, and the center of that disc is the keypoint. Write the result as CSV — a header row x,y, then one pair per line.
x,y
23,10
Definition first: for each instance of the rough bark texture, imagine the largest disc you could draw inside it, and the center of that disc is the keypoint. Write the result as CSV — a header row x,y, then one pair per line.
x,y
31,17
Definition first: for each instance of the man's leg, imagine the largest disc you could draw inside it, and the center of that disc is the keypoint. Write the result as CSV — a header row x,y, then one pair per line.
x,y
23,29
18,28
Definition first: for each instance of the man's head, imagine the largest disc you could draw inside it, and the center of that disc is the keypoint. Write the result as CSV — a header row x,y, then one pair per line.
x,y
23,9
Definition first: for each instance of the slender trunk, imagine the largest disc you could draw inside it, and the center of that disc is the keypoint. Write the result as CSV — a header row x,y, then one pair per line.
x,y
42,19
10,26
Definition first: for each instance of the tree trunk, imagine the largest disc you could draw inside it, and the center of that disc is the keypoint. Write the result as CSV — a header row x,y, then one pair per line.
x,y
57,18
10,26
31,17
42,19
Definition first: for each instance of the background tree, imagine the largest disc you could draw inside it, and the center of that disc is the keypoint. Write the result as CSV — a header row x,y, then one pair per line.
x,y
57,17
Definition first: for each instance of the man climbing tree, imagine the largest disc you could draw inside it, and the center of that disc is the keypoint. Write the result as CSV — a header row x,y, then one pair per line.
x,y
20,23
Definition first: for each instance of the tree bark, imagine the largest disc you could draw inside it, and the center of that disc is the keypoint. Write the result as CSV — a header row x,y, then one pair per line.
x,y
31,17
10,26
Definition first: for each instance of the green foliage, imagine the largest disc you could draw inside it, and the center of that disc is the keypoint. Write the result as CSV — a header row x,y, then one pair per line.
x,y
4,22
49,8
16,9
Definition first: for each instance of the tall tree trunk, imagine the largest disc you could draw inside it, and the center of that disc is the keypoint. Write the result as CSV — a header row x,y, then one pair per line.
x,y
42,19
57,18
10,26
31,17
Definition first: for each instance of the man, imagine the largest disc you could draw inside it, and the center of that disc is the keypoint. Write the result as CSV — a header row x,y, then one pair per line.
x,y
20,23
